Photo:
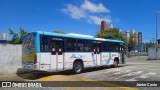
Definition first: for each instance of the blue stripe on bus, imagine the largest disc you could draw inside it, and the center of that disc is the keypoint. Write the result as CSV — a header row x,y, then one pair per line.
x,y
67,52
78,52
114,40
64,35
108,61
74,36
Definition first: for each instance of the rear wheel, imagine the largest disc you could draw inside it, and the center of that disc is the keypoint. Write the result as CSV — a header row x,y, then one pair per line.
x,y
115,64
77,67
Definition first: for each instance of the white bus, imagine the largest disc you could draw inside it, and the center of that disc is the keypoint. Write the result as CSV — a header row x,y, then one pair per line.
x,y
53,52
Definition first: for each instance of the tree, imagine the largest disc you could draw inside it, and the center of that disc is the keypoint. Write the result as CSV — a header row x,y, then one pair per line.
x,y
132,42
148,45
16,38
22,33
112,33
59,31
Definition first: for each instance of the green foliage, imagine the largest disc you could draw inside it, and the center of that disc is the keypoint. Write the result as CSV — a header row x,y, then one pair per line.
x,y
132,42
148,45
112,33
59,31
16,38
22,33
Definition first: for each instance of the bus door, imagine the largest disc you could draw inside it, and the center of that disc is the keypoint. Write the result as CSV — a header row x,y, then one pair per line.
x,y
97,51
57,60
122,53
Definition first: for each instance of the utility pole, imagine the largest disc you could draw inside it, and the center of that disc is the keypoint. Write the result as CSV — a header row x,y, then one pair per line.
x,y
157,37
157,13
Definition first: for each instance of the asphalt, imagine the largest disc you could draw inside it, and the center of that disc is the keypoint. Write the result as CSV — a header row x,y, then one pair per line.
x,y
135,69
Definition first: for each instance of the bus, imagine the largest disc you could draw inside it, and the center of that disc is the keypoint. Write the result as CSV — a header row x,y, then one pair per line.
x,y
47,51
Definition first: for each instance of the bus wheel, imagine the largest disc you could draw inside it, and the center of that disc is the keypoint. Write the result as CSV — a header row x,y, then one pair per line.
x,y
77,67
115,64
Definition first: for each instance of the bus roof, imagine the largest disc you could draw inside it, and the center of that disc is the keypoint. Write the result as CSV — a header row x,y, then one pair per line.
x,y
72,35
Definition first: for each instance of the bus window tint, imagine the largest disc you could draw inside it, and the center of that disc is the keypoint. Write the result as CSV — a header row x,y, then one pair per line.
x,y
71,45
114,47
83,45
53,44
44,43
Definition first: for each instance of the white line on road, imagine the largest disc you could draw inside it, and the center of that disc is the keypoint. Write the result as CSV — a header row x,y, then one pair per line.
x,y
99,73
144,76
122,72
127,75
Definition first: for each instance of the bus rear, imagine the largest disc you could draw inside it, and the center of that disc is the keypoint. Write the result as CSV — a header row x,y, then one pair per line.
x,y
29,57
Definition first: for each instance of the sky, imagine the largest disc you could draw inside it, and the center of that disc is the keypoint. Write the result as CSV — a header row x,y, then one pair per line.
x,y
80,16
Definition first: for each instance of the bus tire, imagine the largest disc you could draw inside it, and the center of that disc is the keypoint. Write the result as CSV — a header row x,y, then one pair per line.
x,y
77,67
115,64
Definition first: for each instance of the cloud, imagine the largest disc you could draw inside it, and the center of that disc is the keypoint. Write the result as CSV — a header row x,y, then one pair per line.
x,y
74,11
82,12
94,8
97,20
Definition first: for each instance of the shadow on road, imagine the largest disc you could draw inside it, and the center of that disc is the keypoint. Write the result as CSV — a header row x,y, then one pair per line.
x,y
35,74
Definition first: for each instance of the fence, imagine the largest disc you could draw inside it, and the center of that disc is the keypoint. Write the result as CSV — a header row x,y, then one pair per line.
x,y
152,53
133,54
10,58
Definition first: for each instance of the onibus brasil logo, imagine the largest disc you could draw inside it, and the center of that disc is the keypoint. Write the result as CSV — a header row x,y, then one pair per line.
x,y
21,84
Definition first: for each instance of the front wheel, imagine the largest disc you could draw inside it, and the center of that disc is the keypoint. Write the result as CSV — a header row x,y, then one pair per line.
x,y
115,64
77,67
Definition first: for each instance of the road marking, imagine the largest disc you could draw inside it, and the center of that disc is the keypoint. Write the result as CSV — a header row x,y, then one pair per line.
x,y
104,83
8,76
147,75
54,77
24,75
127,75
122,72
144,76
133,73
48,78
51,78
99,73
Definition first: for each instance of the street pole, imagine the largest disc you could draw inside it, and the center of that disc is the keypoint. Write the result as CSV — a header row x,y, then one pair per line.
x,y
157,13
157,37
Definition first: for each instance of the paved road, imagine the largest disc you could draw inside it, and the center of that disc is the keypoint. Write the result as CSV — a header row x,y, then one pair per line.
x,y
136,69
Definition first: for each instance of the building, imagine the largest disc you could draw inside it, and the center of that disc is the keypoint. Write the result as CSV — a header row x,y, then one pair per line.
x,y
126,35
139,37
136,36
4,36
104,26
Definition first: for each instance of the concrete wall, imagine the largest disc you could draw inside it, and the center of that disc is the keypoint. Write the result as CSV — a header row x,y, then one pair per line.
x,y
152,53
10,58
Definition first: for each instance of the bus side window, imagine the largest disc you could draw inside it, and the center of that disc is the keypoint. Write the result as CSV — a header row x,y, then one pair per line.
x,y
71,45
84,46
44,43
